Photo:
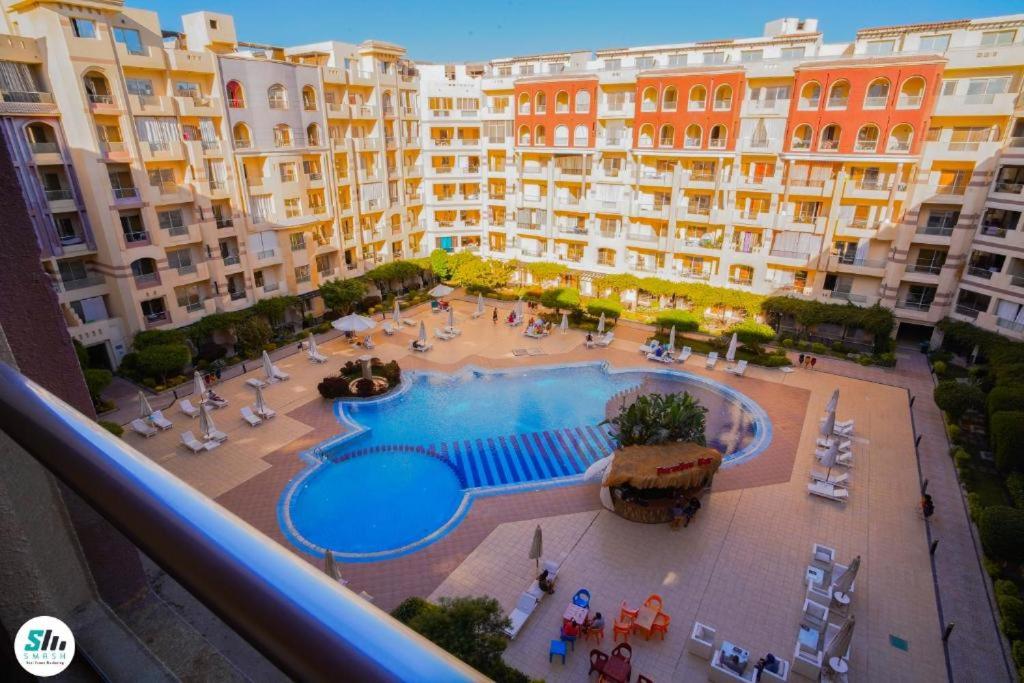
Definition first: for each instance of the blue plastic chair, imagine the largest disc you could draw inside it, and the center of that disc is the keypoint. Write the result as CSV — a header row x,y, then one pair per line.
x,y
582,598
557,648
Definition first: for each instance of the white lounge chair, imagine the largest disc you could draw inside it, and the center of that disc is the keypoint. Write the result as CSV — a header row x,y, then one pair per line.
x,y
606,340
283,376
647,348
711,361
836,493
702,640
143,429
421,349
663,358
815,616
525,606
266,413
388,329
409,323
249,417
186,407
823,557
255,382
217,435
738,369
845,445
216,402
533,334
840,479
318,357
452,331
843,431
684,355
844,424
442,335
190,442
158,419
807,661
845,458
476,314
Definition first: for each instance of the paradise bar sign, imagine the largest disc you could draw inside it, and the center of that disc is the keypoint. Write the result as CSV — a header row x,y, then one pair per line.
x,y
683,466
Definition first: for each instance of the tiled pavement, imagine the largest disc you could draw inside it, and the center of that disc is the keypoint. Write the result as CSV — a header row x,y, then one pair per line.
x,y
756,533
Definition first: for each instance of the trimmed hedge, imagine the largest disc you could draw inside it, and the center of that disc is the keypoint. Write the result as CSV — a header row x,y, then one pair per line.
x,y
683,321
698,294
561,297
1005,398
611,309
1006,430
956,398
751,332
1002,533
875,319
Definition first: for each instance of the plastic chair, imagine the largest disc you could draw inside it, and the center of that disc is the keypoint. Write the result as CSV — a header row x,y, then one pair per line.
x,y
571,639
624,650
597,661
626,612
622,628
582,598
653,601
557,648
660,625
598,634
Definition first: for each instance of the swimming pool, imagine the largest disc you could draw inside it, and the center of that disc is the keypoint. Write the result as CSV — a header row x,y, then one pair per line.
x,y
410,464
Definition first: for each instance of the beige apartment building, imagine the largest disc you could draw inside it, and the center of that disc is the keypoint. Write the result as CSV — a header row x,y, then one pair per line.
x,y
171,175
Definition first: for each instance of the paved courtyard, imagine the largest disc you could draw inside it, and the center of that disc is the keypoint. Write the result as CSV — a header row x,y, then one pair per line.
x,y
739,567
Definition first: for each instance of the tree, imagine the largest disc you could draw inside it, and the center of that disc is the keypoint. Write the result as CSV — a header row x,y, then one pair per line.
x,y
683,321
561,297
439,264
542,271
611,309
654,419
1007,434
96,380
751,332
275,308
478,275
956,398
161,360
342,295
253,334
1002,533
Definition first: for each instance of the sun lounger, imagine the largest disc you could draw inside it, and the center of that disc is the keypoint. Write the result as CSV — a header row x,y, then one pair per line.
x,y
647,348
525,606
845,458
215,401
606,340
533,334
388,329
421,349
711,361
452,331
738,369
159,421
190,442
281,375
815,616
318,357
249,417
663,358
187,408
442,335
836,493
684,355
844,444
476,314
217,435
409,323
823,557
143,429
266,414
255,382
844,424
842,479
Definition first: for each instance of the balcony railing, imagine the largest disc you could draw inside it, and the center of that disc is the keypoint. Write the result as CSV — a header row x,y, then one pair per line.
x,y
58,195
237,294
140,236
914,304
1012,188
27,96
937,230
82,282
967,311
1017,280
980,271
1011,325
126,193
923,268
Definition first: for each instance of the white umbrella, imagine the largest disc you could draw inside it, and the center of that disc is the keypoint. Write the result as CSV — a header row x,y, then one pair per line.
x,y
145,410
564,327
845,582
537,546
268,366
672,338
396,314
840,644
598,468
518,310
206,425
200,389
423,333
829,457
833,402
451,316
261,404
600,324
730,355
440,290
828,425
354,323
479,304
312,350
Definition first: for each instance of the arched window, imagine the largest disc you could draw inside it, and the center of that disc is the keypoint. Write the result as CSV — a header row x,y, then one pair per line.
x,y
698,99
646,137
693,136
144,271
900,138
236,95
877,94
97,88
277,96
867,138
802,137
649,100
580,137
562,102
838,95
282,135
308,98
540,137
666,138
582,101
669,99
561,136
810,96
242,136
723,98
524,104
719,137
541,102
759,137
830,138
524,132
911,93
385,103
313,135
41,138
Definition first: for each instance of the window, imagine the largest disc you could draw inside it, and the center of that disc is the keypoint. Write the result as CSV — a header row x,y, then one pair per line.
x,y
693,136
718,137
792,53
645,62
582,101
236,97
83,28
540,137
504,71
287,172
810,96
877,94
747,56
984,90
934,43
213,24
525,69
667,136
172,220
139,86
189,89
830,138
180,259
309,98
698,98
714,58
867,138
261,207
154,310
302,274
562,102
993,38
163,178
540,104
282,135
580,137
677,60
131,40
561,136
277,97
292,208
133,228
880,47
949,87
297,240
669,99
723,98
613,64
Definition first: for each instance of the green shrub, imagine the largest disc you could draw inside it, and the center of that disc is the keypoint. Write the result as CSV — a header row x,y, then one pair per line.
x,y
974,507
751,332
112,427
683,321
1002,533
653,419
787,342
1007,587
1006,430
1012,611
956,398
148,338
962,459
771,361
838,347
561,297
803,345
953,430
410,608
939,367
160,360
1018,654
1010,375
611,308
1005,398
886,359
96,381
865,360
819,348
1015,485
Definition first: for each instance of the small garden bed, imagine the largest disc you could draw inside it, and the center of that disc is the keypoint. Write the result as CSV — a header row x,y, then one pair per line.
x,y
352,382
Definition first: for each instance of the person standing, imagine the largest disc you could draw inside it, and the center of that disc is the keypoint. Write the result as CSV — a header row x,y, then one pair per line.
x,y
801,360
494,318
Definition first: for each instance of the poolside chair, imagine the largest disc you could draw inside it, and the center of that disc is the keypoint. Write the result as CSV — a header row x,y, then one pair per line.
x,y
442,335
318,357
842,479
216,401
823,557
660,626
844,444
249,417
806,661
606,340
264,414
283,376
159,421
421,349
627,613
738,369
702,640
844,424
840,431
532,333
388,329
597,661
648,348
255,382
189,441
663,358
140,427
409,323
518,616
815,616
476,314
654,602
836,493
453,331
684,355
711,361
581,598
186,407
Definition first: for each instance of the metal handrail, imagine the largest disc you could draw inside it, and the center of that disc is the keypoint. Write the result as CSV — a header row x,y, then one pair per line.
x,y
308,625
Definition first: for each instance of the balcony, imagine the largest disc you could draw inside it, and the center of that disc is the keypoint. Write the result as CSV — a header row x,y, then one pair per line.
x,y
741,281
191,62
935,230
986,104
967,311
923,269
1008,187
1011,325
92,280
914,305
841,295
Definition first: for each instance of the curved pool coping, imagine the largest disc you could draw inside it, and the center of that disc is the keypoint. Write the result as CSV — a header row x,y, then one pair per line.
x,y
314,456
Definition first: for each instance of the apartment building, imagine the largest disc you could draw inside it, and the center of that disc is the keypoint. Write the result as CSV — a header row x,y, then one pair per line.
x,y
174,174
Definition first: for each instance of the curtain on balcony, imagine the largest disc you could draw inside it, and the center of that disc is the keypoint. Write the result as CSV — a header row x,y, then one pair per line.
x,y
158,129
17,77
261,207
207,130
797,242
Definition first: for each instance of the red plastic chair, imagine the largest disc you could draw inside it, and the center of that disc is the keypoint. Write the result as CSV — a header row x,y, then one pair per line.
x,y
598,634
626,612
661,624
653,601
597,661
624,650
622,628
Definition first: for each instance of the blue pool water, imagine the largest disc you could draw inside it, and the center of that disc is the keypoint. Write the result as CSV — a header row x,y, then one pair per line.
x,y
409,465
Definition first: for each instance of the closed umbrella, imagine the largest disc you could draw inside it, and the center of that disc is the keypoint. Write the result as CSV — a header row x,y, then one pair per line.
x,y
600,324
313,351
206,425
840,644
518,310
479,304
451,317
396,314
829,457
828,425
261,403
423,333
833,402
268,366
537,547
730,355
845,582
354,323
440,290
672,339
564,327
200,387
145,410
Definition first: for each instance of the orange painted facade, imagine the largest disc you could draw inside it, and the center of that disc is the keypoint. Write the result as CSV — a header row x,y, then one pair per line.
x,y
899,108
551,118
683,117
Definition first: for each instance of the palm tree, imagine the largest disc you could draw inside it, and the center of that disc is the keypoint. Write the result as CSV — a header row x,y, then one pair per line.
x,y
659,418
